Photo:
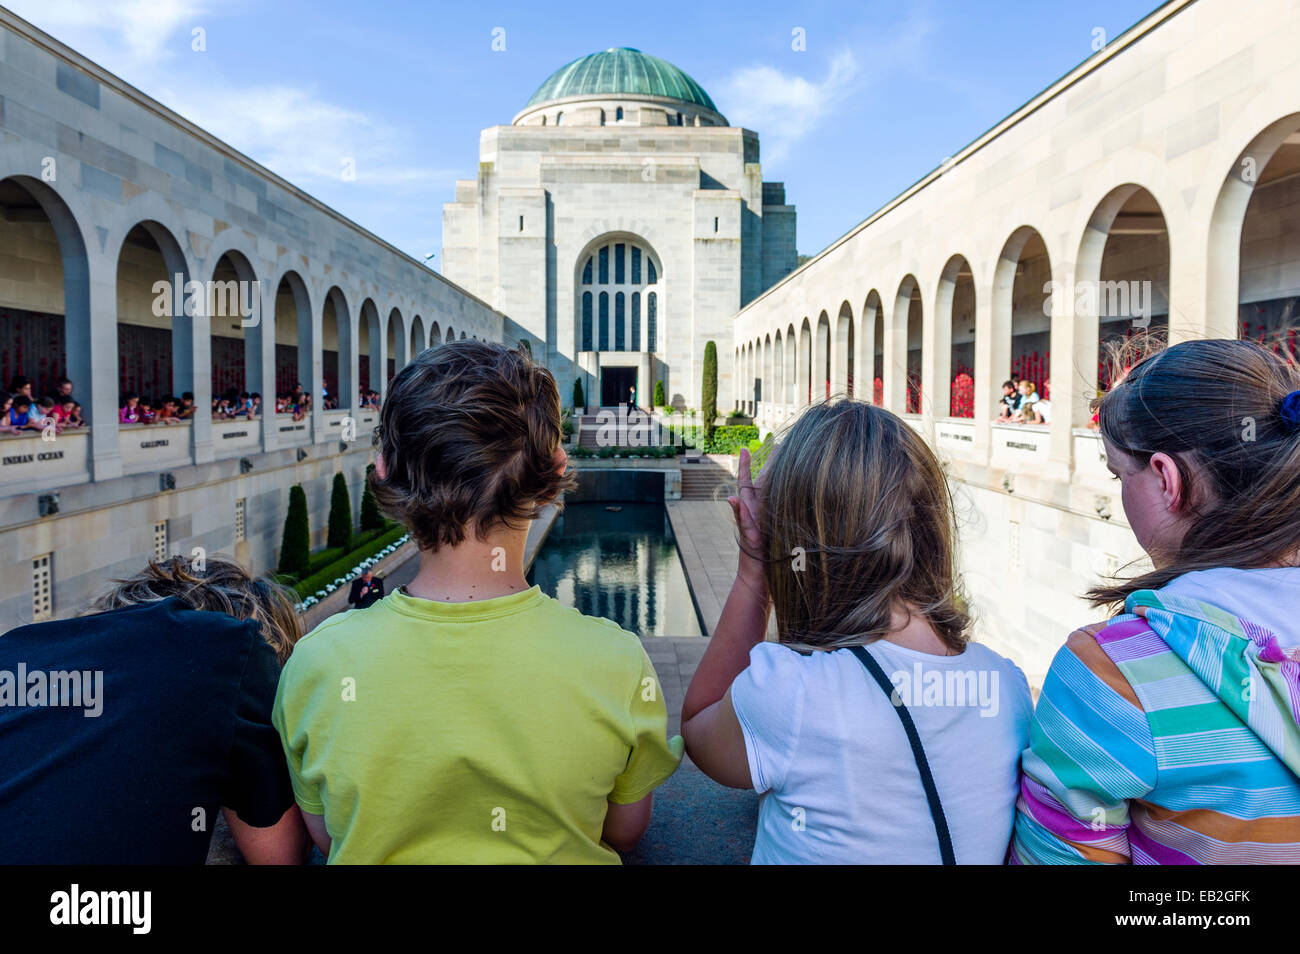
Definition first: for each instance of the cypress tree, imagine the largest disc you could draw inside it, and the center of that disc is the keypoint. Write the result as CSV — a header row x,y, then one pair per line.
x,y
709,402
579,401
295,545
371,516
340,525
660,399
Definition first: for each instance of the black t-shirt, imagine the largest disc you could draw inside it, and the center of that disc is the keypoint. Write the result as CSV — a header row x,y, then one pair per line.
x,y
373,595
184,729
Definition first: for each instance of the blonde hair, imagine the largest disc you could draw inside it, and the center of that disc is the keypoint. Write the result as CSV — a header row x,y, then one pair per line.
x,y
222,586
859,524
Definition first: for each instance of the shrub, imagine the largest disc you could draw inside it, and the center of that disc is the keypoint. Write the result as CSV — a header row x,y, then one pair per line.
x,y
295,544
343,567
340,525
579,401
759,451
709,397
660,399
371,517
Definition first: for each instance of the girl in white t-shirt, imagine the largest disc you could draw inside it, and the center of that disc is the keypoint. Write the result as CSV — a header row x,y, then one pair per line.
x,y
850,539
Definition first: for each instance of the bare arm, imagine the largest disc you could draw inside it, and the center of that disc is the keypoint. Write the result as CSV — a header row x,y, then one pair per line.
x,y
284,843
625,824
316,828
709,725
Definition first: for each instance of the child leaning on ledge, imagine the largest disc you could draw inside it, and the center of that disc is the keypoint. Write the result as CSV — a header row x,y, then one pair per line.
x,y
468,717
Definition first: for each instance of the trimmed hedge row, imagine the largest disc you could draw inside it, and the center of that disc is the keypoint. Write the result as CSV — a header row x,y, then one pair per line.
x,y
343,567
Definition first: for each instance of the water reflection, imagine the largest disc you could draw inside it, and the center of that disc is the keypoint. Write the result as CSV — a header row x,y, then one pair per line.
x,y
622,566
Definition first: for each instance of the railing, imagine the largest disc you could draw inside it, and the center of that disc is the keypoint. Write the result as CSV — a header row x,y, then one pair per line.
x,y
1089,457
146,447
34,463
237,437
337,427
1015,445
290,432
955,436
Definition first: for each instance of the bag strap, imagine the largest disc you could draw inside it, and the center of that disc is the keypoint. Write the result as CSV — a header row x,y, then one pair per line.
x,y
918,752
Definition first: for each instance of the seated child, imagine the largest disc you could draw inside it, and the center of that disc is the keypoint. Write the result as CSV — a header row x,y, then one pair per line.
x,y
468,717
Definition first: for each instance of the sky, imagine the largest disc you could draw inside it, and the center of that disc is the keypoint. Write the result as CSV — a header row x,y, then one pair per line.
x,y
376,108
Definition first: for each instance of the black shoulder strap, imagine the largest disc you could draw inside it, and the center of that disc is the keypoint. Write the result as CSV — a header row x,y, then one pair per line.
x,y
918,752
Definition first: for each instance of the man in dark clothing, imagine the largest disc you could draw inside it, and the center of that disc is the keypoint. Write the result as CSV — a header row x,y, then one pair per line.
x,y
367,589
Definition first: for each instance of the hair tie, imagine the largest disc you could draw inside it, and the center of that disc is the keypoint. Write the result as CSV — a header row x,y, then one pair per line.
x,y
1290,410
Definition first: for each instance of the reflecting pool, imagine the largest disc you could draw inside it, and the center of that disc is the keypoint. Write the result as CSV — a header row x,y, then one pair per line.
x,y
621,564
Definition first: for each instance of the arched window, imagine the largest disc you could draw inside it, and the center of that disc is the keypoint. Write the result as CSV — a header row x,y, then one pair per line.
x,y
632,272
586,319
636,320
604,321
602,117
618,115
558,117
543,119
620,338
679,119
651,315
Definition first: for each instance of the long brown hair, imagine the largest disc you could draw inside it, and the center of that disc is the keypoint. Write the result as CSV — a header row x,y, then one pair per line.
x,y
859,524
1215,407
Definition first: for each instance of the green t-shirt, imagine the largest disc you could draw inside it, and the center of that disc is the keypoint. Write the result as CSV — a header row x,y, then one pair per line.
x,y
481,732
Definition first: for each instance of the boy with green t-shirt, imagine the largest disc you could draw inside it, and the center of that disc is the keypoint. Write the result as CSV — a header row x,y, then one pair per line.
x,y
468,717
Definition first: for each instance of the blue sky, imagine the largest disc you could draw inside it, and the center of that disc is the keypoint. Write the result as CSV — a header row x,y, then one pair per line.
x,y
881,94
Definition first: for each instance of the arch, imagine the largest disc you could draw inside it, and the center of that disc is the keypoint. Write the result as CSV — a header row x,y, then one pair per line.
x,y
872,347
614,270
1121,283
418,340
842,352
791,368
803,390
953,388
1238,191
905,356
1020,326
821,362
778,371
397,341
435,335
765,371
339,362
234,327
369,348
292,326
64,348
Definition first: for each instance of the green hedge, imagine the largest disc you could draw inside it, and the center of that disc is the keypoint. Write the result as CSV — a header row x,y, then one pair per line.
x,y
728,439
295,542
586,453
343,567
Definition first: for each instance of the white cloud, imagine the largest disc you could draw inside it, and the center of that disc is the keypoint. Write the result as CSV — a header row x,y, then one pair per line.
x,y
787,107
784,106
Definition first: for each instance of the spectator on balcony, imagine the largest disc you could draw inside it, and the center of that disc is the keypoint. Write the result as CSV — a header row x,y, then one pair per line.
x,y
64,407
177,670
1041,411
302,406
62,389
76,419
42,416
1010,402
130,412
187,408
21,385
254,405
1028,398
147,413
7,415
169,410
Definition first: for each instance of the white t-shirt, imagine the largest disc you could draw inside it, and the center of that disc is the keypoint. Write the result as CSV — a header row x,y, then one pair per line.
x,y
1044,409
840,784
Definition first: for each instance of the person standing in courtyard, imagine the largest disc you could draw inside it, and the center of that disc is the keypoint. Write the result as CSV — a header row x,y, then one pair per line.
x,y
479,720
1169,733
850,538
367,589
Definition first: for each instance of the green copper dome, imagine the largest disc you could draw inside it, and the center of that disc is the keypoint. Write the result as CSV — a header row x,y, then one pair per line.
x,y
621,71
